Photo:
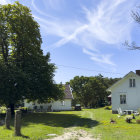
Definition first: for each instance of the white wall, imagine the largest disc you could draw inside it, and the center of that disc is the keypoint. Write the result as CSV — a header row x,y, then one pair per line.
x,y
132,94
56,105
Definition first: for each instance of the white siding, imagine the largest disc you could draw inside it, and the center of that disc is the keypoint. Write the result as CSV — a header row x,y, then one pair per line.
x,y
132,94
56,105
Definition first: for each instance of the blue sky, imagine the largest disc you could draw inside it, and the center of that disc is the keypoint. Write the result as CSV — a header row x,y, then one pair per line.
x,y
85,37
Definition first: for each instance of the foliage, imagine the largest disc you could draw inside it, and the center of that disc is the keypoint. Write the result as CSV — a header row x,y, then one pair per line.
x,y
112,120
138,121
23,109
12,86
133,116
107,107
2,110
77,88
128,119
91,91
25,73
94,93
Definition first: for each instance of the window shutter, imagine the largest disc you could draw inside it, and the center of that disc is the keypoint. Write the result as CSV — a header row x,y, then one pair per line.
x,y
124,98
120,99
130,82
134,83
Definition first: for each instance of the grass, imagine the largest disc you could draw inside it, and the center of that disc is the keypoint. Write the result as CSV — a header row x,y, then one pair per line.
x,y
36,126
121,130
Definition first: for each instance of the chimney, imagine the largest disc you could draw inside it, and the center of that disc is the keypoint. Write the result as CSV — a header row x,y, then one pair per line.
x,y
138,72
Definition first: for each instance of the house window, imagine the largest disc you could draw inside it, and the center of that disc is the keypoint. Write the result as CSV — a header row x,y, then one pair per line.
x,y
132,83
62,103
122,99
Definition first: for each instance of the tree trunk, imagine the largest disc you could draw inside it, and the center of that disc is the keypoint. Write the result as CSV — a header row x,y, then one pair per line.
x,y
8,118
85,104
12,107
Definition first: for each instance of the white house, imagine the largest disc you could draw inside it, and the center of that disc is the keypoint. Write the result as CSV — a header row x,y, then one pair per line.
x,y
65,104
125,93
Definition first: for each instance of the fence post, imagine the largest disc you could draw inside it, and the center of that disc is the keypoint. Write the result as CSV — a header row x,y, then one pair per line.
x,y
17,123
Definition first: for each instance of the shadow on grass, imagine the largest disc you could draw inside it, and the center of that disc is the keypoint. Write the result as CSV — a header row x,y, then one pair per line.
x,y
58,120
2,116
26,137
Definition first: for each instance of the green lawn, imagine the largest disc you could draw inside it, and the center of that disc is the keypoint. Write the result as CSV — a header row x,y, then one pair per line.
x,y
36,126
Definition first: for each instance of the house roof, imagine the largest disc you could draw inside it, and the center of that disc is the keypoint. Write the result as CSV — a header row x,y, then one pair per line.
x,y
115,84
68,92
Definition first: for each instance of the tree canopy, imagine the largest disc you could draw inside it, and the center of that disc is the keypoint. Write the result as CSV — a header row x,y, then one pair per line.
x,y
91,91
24,71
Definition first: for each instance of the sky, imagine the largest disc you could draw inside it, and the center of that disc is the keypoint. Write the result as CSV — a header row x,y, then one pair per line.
x,y
86,37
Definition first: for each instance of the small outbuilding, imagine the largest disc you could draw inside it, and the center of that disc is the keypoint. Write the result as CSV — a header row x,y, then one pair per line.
x,y
65,104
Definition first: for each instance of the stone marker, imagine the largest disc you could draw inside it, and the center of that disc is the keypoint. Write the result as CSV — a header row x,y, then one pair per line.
x,y
17,123
8,118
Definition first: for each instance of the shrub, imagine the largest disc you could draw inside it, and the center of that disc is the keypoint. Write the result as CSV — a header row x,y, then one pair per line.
x,y
2,110
23,109
138,121
133,117
112,121
128,119
107,107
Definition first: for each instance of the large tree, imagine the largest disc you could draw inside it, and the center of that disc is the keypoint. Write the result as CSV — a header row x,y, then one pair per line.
x,y
12,85
77,84
29,72
91,91
95,92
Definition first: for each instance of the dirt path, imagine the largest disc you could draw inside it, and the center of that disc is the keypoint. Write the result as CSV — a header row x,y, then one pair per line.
x,y
75,135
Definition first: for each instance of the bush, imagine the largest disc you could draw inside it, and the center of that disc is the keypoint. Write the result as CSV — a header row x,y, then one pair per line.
x,y
138,121
112,120
133,117
23,109
107,107
2,110
128,119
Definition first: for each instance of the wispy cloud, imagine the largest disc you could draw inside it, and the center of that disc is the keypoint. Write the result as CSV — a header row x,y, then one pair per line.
x,y
108,24
71,37
100,58
55,4
110,19
4,2
52,27
40,11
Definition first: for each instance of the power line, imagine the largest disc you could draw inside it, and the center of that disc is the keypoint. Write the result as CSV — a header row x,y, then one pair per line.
x,y
89,69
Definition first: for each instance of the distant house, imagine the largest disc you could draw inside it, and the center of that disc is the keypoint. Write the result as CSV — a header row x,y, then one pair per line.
x,y
125,93
65,104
